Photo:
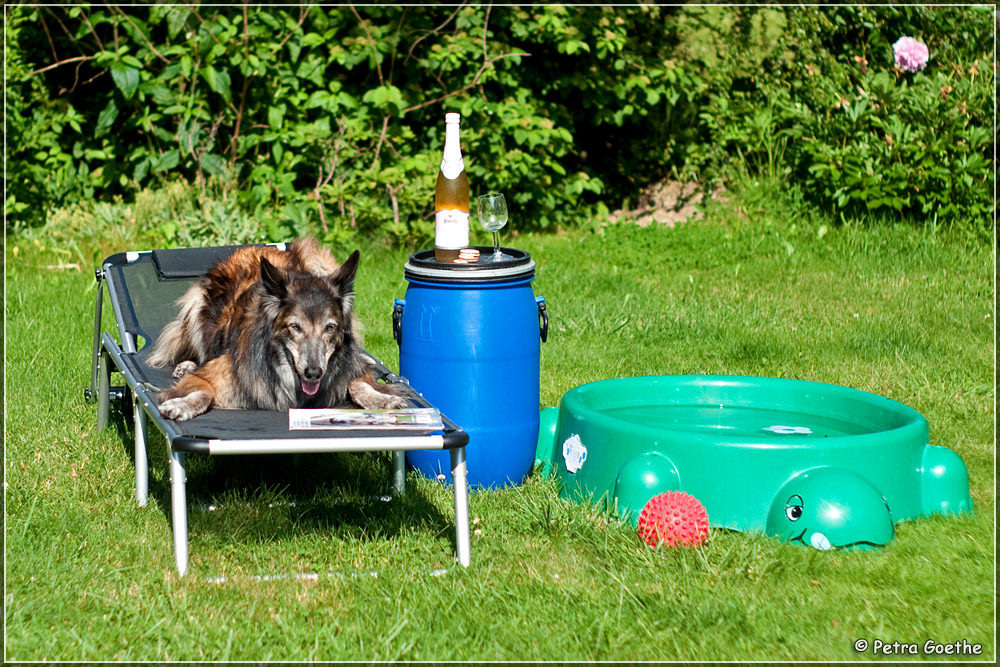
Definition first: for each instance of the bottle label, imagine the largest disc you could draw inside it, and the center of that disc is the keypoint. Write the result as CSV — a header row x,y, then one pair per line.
x,y
451,229
452,168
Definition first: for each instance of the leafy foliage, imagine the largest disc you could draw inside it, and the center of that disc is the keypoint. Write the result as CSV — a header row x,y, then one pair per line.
x,y
327,119
818,101
313,117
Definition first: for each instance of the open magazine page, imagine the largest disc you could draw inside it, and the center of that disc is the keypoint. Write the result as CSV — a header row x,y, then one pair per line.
x,y
325,419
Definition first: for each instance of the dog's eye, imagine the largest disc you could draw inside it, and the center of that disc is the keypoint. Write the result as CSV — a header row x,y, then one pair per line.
x,y
330,328
295,327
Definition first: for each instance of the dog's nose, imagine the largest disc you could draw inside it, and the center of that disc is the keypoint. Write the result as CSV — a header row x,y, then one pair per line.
x,y
313,374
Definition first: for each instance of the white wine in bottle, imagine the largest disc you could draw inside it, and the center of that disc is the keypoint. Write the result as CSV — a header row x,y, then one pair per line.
x,y
451,197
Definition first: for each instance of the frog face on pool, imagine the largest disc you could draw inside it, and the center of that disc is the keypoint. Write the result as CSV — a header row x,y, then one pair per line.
x,y
830,508
793,512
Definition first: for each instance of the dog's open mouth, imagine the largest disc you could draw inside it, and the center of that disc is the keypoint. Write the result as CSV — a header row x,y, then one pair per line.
x,y
310,388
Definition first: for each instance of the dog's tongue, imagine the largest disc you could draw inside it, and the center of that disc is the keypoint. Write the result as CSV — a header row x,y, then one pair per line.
x,y
310,387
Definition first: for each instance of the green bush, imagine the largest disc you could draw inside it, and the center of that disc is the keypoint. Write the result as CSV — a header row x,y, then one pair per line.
x,y
816,100
42,168
328,118
287,120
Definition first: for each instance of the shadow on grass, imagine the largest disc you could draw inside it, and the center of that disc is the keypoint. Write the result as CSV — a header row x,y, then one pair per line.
x,y
268,498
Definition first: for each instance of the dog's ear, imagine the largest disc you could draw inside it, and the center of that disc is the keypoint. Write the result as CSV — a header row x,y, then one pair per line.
x,y
344,279
274,279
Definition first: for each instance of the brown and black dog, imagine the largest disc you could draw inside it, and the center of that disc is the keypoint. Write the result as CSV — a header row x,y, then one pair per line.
x,y
268,329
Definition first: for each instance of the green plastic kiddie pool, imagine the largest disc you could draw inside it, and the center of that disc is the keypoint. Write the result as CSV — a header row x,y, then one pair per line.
x,y
818,464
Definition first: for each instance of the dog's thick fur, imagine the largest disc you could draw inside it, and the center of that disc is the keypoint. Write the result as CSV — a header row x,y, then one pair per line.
x,y
270,330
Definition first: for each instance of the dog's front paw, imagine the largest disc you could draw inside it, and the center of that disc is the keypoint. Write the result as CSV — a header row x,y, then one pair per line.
x,y
395,402
376,400
183,368
370,398
187,407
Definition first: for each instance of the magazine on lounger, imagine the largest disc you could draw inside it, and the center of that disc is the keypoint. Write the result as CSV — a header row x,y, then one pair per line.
x,y
326,419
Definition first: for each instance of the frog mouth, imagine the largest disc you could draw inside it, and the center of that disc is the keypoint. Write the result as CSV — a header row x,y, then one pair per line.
x,y
821,542
816,540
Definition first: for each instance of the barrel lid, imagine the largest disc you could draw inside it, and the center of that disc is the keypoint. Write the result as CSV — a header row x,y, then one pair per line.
x,y
423,266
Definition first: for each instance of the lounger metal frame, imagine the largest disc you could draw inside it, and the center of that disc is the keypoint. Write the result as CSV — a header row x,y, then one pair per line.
x,y
111,355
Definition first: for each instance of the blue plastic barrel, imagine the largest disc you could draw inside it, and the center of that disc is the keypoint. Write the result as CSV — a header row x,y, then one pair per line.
x,y
469,341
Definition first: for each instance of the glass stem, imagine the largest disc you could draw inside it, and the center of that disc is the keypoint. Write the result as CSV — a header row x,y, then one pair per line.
x,y
496,243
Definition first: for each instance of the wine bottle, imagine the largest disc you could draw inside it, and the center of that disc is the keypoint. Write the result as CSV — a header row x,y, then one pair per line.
x,y
451,197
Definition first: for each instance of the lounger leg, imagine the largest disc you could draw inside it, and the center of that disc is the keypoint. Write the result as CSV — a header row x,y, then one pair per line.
x,y
459,474
96,357
103,389
141,456
178,510
399,473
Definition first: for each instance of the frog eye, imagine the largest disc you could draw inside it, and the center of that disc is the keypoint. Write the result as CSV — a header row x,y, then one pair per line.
x,y
793,508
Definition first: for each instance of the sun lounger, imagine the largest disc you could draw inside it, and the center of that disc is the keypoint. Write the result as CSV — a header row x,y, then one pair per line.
x,y
143,288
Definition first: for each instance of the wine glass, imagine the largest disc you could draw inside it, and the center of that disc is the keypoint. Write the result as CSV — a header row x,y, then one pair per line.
x,y
492,209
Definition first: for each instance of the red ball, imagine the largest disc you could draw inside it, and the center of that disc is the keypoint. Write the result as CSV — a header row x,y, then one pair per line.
x,y
675,518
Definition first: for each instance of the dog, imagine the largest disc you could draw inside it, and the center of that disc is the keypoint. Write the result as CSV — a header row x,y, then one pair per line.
x,y
267,329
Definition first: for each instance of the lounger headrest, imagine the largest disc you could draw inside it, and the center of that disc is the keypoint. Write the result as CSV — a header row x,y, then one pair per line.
x,y
186,263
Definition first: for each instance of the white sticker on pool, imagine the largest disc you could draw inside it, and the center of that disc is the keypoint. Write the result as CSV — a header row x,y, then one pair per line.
x,y
574,453
788,430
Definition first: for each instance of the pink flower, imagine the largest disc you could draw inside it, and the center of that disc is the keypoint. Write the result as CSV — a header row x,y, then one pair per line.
x,y
911,55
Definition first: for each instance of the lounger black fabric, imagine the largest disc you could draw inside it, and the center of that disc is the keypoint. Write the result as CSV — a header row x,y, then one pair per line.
x,y
143,289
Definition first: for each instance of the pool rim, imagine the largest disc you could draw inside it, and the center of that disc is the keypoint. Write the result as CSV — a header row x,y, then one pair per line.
x,y
909,422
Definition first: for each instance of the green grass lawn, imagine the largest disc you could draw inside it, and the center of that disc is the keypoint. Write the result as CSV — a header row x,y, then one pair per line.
x,y
895,311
